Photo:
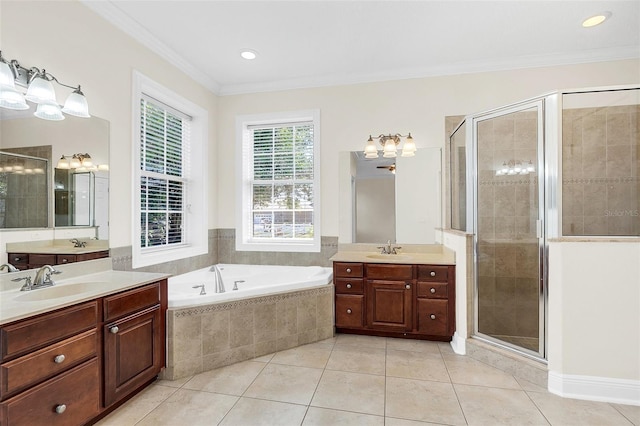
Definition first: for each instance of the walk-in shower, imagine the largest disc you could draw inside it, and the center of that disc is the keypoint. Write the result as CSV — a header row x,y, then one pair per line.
x,y
563,165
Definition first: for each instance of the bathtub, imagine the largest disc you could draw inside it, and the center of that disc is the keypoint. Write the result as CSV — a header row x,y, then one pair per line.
x,y
255,280
275,308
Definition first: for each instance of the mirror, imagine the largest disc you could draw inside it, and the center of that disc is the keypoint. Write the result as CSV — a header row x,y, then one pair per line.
x,y
395,199
76,201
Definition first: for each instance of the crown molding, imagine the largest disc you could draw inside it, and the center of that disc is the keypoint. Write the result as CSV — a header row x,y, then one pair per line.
x,y
119,19
458,68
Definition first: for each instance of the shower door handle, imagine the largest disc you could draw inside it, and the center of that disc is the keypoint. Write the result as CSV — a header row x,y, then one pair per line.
x,y
538,228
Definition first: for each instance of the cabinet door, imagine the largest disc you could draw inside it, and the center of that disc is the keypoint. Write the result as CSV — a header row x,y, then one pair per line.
x,y
433,317
389,305
133,352
349,310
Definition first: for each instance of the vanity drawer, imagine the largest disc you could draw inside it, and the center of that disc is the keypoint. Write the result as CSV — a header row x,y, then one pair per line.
x,y
47,362
18,259
433,273
61,259
381,271
131,301
38,260
28,335
71,398
341,269
348,285
349,310
433,317
433,290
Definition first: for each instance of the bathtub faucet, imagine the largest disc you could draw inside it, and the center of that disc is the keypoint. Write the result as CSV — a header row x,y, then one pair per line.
x,y
235,284
202,290
219,282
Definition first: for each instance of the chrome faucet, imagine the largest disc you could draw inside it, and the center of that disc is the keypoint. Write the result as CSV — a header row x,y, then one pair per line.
x,y
219,283
10,267
235,284
77,243
389,249
43,276
202,290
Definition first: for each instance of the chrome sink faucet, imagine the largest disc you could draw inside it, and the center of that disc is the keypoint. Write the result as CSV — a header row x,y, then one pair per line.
x,y
389,249
43,276
77,243
10,267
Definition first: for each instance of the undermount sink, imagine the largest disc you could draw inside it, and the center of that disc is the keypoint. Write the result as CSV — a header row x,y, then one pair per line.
x,y
54,292
389,256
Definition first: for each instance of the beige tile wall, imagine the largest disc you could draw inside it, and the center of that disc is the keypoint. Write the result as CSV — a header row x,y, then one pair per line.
x,y
207,337
600,168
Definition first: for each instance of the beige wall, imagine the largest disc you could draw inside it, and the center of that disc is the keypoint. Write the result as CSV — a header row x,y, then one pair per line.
x,y
78,47
350,113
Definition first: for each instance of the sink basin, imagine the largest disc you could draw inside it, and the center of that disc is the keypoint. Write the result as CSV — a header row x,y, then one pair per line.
x,y
54,292
389,257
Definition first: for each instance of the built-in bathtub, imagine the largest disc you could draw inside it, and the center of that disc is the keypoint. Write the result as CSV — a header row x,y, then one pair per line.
x,y
274,308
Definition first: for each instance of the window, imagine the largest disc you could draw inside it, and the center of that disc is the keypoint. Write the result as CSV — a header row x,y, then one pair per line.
x,y
169,154
279,186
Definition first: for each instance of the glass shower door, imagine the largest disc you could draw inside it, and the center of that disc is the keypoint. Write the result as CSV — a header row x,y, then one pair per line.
x,y
509,240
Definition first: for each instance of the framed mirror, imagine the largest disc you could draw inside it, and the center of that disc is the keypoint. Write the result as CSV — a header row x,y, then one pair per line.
x,y
397,199
71,202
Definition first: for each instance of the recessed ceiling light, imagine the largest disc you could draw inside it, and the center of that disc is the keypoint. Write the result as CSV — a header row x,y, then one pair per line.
x,y
594,20
248,54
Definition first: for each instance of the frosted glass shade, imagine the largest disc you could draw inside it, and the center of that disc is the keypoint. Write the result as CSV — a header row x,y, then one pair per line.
x,y
389,149
6,76
409,147
41,91
76,105
49,111
63,163
75,162
370,150
10,98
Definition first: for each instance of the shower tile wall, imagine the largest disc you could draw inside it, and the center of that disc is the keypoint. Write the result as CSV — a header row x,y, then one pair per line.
x,y
507,243
600,182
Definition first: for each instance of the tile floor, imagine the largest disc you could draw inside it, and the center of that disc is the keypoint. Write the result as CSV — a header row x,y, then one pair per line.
x,y
361,380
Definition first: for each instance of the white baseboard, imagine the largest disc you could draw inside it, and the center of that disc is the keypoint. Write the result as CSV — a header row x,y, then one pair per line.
x,y
605,389
459,344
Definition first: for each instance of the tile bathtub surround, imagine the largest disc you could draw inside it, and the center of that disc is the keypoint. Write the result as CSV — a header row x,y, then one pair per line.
x,y
312,385
222,249
210,336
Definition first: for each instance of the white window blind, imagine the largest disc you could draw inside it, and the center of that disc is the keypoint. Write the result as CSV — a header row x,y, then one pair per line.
x,y
282,182
164,150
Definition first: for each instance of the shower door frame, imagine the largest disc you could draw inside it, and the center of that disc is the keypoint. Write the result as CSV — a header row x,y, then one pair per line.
x,y
546,114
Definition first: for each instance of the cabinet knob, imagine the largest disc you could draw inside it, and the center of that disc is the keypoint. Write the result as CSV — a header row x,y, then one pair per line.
x,y
61,408
433,290
17,259
64,260
348,270
114,329
348,311
59,359
432,273
349,285
432,316
407,286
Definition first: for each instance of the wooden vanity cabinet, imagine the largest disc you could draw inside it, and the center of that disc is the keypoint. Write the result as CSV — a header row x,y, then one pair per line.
x,y
70,367
24,261
396,300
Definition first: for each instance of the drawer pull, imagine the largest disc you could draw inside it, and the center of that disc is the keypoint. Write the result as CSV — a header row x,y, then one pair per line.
x,y
432,273
407,286
61,408
433,290
349,285
114,329
348,311
59,359
348,270
432,316
64,260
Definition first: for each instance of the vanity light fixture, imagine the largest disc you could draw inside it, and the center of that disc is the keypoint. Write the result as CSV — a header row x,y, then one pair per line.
x,y
39,91
80,163
389,145
515,167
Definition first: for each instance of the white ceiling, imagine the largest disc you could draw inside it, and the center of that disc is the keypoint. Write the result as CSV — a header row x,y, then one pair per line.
x,y
320,43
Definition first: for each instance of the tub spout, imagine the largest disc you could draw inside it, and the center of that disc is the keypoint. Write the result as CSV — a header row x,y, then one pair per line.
x,y
219,282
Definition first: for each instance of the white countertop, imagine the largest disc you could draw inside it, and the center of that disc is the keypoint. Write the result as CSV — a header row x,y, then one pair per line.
x,y
431,254
57,247
100,282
